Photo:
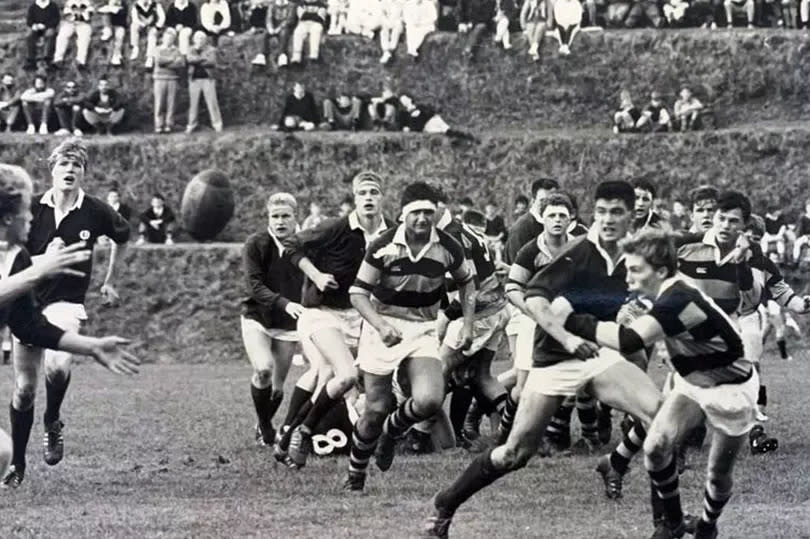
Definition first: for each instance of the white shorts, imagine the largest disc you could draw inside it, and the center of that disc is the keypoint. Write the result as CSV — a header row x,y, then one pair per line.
x,y
249,324
730,408
515,316
569,376
418,340
66,316
347,321
487,332
524,344
751,330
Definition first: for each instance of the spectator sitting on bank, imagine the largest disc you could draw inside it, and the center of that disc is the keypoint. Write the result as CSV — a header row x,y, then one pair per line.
x,y
311,22
338,11
521,206
342,113
146,16
475,18
788,14
9,102
745,7
634,14
424,119
382,110
36,104
675,12
300,111
68,106
168,63
624,119
533,23
390,27
183,16
156,223
76,16
215,19
314,218
363,17
280,23
505,13
202,64
103,109
687,111
567,18
115,13
655,116
254,14
420,17
42,20
346,206
495,231
114,200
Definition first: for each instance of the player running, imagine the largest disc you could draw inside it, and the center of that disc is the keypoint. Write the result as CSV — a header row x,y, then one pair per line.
x,y
398,291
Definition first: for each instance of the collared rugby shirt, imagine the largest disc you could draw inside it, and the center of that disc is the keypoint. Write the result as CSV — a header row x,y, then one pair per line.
x,y
531,258
410,285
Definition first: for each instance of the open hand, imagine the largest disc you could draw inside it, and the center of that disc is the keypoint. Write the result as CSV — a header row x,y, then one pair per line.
x,y
57,261
109,352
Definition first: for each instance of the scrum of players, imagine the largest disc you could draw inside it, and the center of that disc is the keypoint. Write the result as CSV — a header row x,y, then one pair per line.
x,y
392,316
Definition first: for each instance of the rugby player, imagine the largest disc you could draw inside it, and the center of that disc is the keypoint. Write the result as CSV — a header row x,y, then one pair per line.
x,y
645,216
62,216
398,291
18,276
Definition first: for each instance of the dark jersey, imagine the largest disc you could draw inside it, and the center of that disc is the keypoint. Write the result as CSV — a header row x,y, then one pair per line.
x,y
774,223
489,289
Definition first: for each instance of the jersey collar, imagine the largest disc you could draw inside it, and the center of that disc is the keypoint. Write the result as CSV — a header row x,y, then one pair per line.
x,y
445,220
543,246
48,200
710,238
593,237
399,239
275,239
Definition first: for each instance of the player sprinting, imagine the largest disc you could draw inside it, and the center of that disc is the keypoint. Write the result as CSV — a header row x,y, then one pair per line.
x,y
330,255
590,275
62,216
269,313
398,291
18,308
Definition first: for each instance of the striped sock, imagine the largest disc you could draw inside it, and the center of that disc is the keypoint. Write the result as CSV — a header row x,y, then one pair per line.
x,y
507,418
586,410
630,445
713,502
666,484
561,420
361,452
402,419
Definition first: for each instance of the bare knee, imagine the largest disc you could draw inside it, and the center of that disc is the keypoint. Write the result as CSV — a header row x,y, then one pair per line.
x,y
719,479
427,404
343,381
262,378
516,456
659,447
24,395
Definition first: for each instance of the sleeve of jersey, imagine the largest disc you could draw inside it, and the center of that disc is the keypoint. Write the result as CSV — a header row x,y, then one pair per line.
x,y
26,320
117,227
310,240
368,276
779,290
254,273
518,278
610,334
459,265
553,279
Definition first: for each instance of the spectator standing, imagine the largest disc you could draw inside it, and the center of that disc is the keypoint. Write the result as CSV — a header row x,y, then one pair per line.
x,y
215,19
75,20
680,220
156,223
802,234
533,23
300,111
314,218
115,15
68,107
168,63
687,111
475,19
382,110
183,16
114,200
146,16
420,17
390,27
37,102
495,230
280,23
42,20
342,113
521,206
363,17
311,22
202,65
655,116
104,109
9,102
505,13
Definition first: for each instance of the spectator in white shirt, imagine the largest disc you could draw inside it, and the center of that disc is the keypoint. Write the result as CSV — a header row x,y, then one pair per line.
x,y
420,17
146,16
338,11
363,17
115,14
75,20
390,27
687,111
37,99
215,19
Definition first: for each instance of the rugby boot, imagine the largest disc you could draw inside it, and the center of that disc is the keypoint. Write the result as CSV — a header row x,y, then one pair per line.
x,y
265,436
13,477
54,443
299,449
664,530
437,524
760,442
614,481
472,421
704,530
355,482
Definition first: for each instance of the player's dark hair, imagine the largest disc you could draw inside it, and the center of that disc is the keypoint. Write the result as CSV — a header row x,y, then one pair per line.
x,y
704,192
159,196
558,199
523,199
441,196
616,190
732,200
548,184
492,203
418,191
645,185
474,218
756,226
466,201
654,246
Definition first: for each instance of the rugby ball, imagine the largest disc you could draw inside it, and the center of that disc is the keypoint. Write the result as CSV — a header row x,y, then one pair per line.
x,y
208,204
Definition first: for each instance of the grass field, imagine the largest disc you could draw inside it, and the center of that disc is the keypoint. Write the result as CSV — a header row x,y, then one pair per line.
x,y
170,454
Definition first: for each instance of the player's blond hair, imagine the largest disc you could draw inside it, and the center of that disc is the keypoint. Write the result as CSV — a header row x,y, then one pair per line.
x,y
72,148
282,199
656,247
15,183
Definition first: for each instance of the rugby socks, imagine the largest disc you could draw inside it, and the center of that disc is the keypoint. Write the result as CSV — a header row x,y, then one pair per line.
x,y
55,388
298,399
507,418
262,401
478,475
586,410
323,403
630,445
402,419
666,482
713,503
560,423
361,452
460,402
284,443
782,345
762,399
21,423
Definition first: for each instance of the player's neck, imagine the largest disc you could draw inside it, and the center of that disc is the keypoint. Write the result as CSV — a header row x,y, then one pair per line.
x,y
554,242
65,199
416,242
370,223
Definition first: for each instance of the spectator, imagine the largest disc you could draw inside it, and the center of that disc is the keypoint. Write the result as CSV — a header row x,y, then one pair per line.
x,y
342,113
424,119
680,220
300,111
635,13
734,7
42,21
103,109
114,200
521,206
314,218
254,12
644,215
68,106
774,239
215,19
687,111
146,16
655,116
802,234
448,15
363,17
338,11
9,102
202,64
280,24
157,223
346,206
590,9
182,15
675,12
787,14
533,23
804,13
504,15
382,110
115,14
390,27
419,17
37,99
168,62
75,20
475,18
464,205
311,20
495,231
625,119
703,12
567,18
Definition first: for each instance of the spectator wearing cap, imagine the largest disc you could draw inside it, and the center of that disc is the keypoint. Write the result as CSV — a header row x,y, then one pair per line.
x,y
390,27
215,19
104,108
168,63
68,107
183,16
476,18
9,102
146,16
419,17
655,116
280,23
76,16
300,111
202,64
156,223
687,111
624,119
115,14
342,113
37,102
42,20
311,22
382,111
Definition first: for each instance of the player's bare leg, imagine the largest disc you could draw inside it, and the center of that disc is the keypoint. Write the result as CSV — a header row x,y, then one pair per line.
x,y
57,379
26,362
719,481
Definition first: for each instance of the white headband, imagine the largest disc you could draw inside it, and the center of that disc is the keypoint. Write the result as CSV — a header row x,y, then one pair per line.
x,y
416,205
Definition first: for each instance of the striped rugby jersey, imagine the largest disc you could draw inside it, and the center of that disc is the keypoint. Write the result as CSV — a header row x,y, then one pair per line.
x,y
771,285
407,285
530,259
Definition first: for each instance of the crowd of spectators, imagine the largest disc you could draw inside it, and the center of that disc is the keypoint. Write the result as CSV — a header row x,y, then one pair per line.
x,y
687,114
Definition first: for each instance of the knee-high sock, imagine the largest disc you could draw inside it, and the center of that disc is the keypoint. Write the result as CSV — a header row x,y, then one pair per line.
x,y
21,423
586,410
261,402
55,388
666,484
402,419
713,503
762,398
478,475
561,421
361,452
782,345
299,397
459,404
284,443
507,418
323,403
630,445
